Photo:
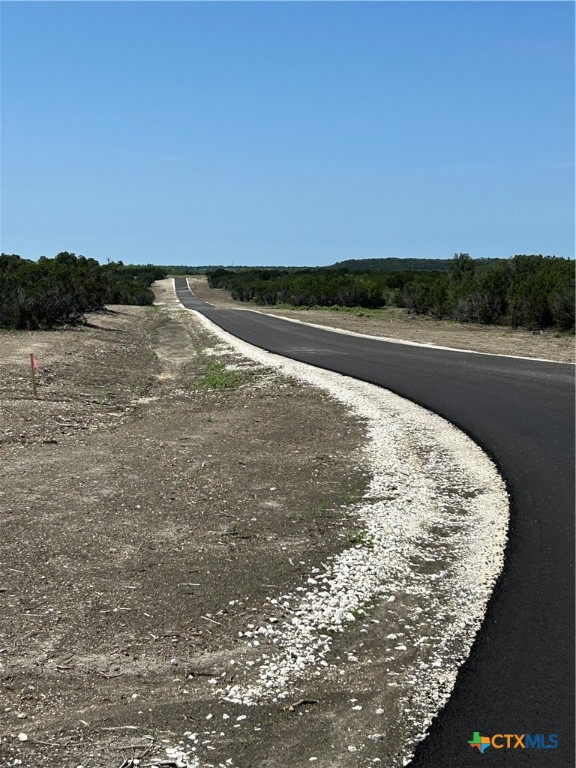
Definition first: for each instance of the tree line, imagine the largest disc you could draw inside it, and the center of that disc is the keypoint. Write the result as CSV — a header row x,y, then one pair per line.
x,y
392,264
59,291
530,291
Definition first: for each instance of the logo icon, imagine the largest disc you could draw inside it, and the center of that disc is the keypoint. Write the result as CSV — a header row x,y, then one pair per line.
x,y
481,743
514,741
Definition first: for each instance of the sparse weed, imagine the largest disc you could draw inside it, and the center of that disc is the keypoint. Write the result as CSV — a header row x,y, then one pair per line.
x,y
215,375
138,387
234,528
361,537
324,510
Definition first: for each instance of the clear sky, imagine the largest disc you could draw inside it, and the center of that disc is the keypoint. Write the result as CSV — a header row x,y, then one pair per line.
x,y
287,133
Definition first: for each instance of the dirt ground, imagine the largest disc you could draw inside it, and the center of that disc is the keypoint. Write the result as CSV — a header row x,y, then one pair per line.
x,y
398,324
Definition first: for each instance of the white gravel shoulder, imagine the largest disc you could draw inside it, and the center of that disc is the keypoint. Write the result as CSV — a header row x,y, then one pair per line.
x,y
434,527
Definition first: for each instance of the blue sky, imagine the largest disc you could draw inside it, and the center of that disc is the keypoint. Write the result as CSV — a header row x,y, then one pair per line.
x,y
287,133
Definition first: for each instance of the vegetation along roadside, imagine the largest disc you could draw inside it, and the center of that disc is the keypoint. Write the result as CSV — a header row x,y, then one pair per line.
x,y
534,292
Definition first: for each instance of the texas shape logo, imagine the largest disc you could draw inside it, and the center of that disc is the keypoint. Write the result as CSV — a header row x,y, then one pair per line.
x,y
481,743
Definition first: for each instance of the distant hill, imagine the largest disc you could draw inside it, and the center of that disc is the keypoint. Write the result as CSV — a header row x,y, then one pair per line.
x,y
351,265
188,270
206,269
399,265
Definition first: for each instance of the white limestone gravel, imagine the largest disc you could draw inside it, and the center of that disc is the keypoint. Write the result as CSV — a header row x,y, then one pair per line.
x,y
434,524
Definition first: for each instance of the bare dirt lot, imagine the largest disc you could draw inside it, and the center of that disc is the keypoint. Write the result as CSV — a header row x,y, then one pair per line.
x,y
398,324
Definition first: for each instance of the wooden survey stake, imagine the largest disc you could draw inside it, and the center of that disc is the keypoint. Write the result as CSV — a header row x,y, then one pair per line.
x,y
33,369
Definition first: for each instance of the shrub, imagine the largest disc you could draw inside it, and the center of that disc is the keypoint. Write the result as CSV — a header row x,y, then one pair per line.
x,y
61,290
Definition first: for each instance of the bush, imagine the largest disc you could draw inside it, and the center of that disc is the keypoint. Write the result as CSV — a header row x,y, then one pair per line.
x,y
530,291
61,290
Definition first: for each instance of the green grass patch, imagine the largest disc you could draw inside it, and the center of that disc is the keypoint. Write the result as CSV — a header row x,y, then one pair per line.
x,y
361,537
356,311
216,376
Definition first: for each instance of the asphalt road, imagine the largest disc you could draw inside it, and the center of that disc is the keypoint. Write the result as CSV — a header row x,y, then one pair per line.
x,y
519,678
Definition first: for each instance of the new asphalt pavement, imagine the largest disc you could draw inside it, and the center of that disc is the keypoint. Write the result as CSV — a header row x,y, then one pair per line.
x,y
519,677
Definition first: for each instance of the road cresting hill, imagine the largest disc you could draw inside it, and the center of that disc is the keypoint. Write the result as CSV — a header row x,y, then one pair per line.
x,y
434,528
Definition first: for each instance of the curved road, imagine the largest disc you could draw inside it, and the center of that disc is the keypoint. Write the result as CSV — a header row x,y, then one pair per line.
x,y
519,678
